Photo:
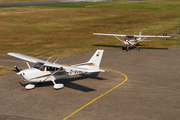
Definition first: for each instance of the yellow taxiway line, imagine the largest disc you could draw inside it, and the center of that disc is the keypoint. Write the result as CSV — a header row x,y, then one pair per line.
x,y
126,78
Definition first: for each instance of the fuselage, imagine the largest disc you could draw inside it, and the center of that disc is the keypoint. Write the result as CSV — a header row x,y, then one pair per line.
x,y
131,40
36,75
40,73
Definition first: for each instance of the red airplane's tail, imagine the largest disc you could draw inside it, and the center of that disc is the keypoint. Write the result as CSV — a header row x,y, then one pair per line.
x,y
140,35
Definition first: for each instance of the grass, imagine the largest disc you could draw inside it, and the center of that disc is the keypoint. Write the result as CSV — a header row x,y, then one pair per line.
x,y
65,30
5,70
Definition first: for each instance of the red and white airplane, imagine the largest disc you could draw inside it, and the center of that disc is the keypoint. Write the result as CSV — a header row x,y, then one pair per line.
x,y
132,40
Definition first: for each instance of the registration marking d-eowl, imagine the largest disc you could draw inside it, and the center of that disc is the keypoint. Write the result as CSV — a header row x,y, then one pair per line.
x,y
75,72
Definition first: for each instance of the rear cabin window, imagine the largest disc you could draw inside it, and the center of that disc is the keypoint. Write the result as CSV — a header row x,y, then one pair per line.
x,y
53,68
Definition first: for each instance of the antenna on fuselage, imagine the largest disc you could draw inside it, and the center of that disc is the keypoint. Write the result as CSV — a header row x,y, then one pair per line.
x,y
48,59
56,60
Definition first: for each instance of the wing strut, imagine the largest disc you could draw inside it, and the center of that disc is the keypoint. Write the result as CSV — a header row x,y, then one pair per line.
x,y
56,86
53,73
56,60
119,39
28,64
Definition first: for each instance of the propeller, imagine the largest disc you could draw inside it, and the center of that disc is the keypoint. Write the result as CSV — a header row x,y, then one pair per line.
x,y
19,73
16,69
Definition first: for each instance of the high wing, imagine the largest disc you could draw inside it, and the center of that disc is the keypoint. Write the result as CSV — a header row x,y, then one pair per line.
x,y
26,58
146,36
134,35
34,60
109,34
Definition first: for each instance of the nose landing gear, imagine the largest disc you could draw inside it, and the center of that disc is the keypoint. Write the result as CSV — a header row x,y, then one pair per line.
x,y
30,86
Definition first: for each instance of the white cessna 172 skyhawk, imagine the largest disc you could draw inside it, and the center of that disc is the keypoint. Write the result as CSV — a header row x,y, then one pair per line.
x,y
46,71
132,40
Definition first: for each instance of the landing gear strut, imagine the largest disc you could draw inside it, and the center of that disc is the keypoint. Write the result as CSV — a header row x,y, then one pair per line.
x,y
137,47
57,86
125,48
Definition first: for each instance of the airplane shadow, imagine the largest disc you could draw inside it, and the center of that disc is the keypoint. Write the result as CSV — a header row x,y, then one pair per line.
x,y
68,82
130,48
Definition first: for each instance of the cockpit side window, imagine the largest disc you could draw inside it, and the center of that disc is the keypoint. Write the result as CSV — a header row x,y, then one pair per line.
x,y
43,68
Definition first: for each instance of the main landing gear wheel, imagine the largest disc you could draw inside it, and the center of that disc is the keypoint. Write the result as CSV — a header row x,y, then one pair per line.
x,y
127,49
58,86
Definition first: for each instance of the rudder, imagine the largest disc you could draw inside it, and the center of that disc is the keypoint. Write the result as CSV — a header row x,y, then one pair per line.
x,y
96,59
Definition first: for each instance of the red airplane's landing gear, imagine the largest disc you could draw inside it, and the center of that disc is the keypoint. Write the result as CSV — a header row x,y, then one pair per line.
x,y
125,48
137,47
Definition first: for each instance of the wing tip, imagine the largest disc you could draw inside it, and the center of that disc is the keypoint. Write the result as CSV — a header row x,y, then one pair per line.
x,y
10,53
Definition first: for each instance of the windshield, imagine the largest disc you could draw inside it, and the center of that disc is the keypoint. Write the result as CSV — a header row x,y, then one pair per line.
x,y
130,36
38,65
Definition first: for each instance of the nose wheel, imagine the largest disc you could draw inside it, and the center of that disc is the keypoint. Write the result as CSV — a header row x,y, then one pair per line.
x,y
30,86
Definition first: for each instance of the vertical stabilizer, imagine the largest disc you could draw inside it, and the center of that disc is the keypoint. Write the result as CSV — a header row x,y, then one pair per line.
x,y
96,59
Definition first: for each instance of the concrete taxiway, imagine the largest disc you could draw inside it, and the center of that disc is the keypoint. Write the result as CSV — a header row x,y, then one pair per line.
x,y
151,91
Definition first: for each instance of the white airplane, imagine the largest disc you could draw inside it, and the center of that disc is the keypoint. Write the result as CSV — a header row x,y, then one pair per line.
x,y
132,40
44,71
